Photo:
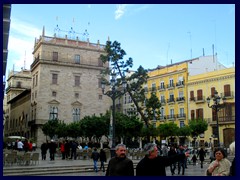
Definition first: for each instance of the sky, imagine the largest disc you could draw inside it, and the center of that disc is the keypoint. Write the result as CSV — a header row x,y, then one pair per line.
x,y
151,34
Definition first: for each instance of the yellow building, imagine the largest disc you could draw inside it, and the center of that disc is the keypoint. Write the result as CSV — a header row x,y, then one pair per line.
x,y
169,84
202,86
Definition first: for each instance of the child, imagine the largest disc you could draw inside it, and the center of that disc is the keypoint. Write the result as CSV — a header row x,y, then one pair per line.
x,y
194,159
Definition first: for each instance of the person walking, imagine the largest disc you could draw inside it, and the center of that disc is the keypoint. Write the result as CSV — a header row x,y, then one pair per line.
x,y
95,156
52,150
194,159
44,148
221,166
74,150
172,152
103,159
201,155
62,150
181,163
154,165
120,165
67,149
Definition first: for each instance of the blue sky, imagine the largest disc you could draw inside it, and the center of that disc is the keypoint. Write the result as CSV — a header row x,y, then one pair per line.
x,y
152,34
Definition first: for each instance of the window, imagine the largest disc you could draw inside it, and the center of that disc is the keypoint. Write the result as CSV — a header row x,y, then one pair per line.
x,y
162,85
181,112
76,95
33,81
77,80
199,95
35,94
192,114
227,91
153,87
199,113
55,56
181,124
129,99
180,80
54,78
171,98
76,114
162,99
36,82
191,95
19,84
53,113
100,97
162,113
125,98
171,83
171,113
77,59
54,93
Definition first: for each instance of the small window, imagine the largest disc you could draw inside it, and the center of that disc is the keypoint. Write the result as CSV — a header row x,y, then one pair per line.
x,y
55,56
100,97
77,80
54,78
54,93
77,59
19,83
76,95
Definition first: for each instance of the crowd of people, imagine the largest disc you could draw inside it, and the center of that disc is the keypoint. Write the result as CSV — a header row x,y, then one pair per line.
x,y
154,164
22,145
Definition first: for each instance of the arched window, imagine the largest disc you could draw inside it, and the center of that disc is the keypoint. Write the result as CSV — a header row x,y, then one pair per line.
x,y
76,114
53,113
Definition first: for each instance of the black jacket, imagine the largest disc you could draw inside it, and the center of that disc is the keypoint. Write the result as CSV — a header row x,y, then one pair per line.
x,y
120,167
156,166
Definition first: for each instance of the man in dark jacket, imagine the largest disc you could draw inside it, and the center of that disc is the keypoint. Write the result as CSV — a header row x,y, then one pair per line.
x,y
95,156
120,165
154,165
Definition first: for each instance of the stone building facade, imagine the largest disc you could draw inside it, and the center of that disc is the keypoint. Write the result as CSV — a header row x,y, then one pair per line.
x,y
65,82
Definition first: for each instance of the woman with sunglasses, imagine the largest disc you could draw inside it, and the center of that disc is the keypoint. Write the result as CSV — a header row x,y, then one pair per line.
x,y
221,166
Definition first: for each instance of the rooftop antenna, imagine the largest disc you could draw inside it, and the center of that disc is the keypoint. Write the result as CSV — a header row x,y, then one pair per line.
x,y
190,37
24,66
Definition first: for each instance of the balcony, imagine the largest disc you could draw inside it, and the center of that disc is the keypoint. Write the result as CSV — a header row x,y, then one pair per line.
x,y
181,116
163,118
227,94
180,84
162,101
171,117
180,99
192,99
171,101
153,89
170,86
161,88
200,99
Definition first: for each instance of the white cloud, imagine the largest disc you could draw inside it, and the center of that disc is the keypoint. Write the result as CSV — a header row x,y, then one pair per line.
x,y
21,43
121,9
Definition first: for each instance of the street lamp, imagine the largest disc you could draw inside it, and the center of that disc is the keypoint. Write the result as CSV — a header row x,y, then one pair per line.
x,y
216,106
113,94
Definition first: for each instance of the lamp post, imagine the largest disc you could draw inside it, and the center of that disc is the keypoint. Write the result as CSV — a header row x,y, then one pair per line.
x,y
216,106
113,94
